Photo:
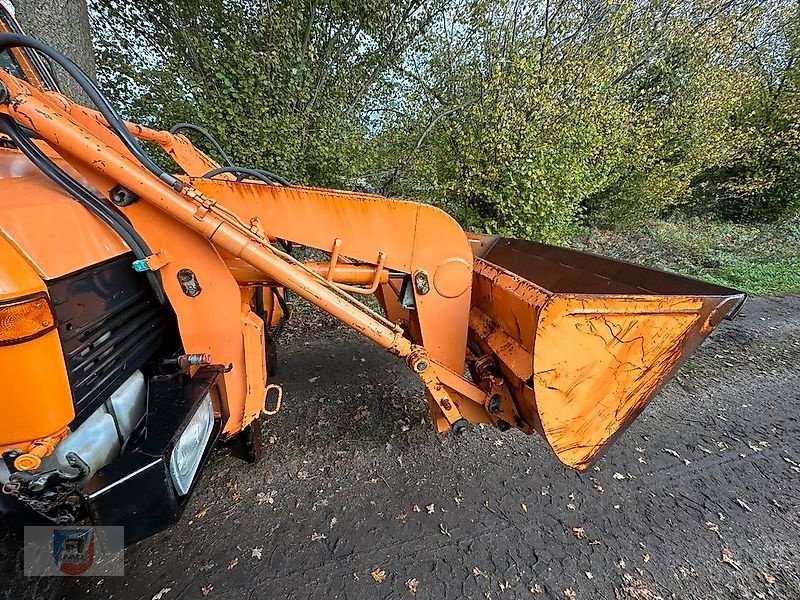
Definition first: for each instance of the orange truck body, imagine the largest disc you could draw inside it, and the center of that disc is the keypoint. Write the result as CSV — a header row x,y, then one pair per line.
x,y
512,333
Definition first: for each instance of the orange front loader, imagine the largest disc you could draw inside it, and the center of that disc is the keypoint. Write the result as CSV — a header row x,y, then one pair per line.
x,y
110,262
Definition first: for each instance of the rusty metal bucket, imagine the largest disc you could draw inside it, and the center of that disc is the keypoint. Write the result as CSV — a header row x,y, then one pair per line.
x,y
584,341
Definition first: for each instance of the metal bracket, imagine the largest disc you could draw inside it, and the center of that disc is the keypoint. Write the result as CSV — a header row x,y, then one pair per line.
x,y
422,365
151,263
279,391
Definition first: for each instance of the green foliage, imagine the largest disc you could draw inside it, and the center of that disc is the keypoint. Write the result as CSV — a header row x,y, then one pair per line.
x,y
761,181
761,258
524,118
530,118
282,84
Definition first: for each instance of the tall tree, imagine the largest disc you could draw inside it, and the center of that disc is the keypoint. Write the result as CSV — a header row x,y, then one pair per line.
x,y
284,84
64,25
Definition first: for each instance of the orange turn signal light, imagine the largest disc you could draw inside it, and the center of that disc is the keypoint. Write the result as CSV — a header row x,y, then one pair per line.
x,y
23,320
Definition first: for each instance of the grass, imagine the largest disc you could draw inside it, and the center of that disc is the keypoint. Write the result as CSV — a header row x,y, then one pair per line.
x,y
761,259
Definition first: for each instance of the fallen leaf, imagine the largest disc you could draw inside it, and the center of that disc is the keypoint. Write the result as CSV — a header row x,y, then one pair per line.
x,y
672,452
646,557
713,527
524,508
743,504
379,575
206,589
302,475
162,593
400,516
727,557
589,575
201,513
315,537
313,379
770,579
621,563
333,522
206,565
430,508
415,507
233,563
257,552
504,585
579,532
570,593
478,573
444,530
413,585
570,506
619,476
458,500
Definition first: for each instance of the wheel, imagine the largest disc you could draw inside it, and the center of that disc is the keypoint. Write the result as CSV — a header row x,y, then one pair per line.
x,y
247,444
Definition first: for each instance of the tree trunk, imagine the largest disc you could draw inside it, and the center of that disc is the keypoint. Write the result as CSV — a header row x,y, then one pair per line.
x,y
64,24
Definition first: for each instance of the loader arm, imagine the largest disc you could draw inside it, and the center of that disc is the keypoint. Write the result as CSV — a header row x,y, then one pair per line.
x,y
414,239
609,336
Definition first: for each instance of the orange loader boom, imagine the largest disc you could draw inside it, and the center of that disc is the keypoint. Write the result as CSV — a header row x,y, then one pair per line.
x,y
507,332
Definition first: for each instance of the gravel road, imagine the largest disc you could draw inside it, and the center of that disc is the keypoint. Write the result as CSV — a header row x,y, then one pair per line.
x,y
358,498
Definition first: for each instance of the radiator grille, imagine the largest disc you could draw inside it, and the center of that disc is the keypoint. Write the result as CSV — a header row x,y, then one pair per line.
x,y
109,324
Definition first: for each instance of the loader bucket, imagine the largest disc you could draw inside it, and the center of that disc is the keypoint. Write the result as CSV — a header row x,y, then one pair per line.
x,y
583,341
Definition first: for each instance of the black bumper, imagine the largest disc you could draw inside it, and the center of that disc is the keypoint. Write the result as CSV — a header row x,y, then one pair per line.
x,y
136,490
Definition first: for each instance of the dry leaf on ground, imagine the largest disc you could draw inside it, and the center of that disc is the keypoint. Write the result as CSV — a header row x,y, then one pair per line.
x,y
413,585
379,575
727,557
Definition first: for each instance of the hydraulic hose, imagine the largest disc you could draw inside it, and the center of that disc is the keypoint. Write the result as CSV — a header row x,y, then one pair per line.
x,y
260,174
178,127
16,40
93,203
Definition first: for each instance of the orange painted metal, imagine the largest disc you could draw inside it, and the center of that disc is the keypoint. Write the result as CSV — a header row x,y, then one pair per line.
x,y
28,197
347,273
563,343
584,342
36,401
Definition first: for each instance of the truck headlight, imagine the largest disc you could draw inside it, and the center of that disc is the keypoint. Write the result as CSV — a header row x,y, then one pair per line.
x,y
188,451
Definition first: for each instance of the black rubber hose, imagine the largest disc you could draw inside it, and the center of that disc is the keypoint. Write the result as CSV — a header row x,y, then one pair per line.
x,y
178,127
260,174
94,204
14,40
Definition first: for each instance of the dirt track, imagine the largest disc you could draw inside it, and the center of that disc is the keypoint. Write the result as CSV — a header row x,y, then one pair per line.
x,y
699,499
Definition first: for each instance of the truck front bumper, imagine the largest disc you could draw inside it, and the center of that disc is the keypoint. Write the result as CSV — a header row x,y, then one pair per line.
x,y
146,489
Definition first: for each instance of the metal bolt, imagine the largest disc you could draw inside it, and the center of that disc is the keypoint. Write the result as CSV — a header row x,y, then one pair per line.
x,y
494,404
4,93
503,425
421,366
